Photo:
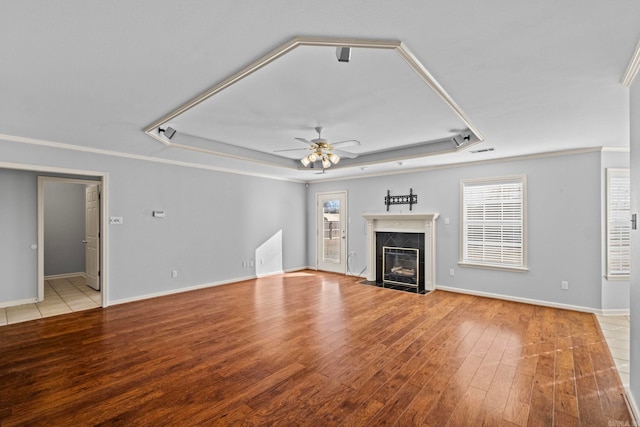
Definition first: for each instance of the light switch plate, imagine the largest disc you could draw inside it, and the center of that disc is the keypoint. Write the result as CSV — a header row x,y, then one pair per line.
x,y
116,220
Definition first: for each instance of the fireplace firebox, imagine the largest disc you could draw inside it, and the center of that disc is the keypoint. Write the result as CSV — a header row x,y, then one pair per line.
x,y
401,266
400,261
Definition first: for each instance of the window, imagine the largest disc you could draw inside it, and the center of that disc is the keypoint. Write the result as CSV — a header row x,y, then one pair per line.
x,y
493,223
618,223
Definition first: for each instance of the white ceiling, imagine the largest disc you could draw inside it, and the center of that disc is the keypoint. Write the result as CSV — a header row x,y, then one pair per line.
x,y
533,77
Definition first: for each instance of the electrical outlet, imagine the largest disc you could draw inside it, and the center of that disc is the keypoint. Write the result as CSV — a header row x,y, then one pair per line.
x,y
174,274
564,285
452,272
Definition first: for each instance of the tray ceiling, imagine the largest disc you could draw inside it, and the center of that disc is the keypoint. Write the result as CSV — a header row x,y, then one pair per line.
x,y
382,97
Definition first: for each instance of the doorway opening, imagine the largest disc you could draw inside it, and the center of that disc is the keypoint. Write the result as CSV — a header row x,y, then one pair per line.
x,y
71,241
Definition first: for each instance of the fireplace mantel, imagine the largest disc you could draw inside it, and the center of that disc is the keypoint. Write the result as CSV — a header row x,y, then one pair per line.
x,y
403,223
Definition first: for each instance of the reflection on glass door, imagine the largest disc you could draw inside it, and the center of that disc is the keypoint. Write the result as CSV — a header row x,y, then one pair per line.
x,y
332,232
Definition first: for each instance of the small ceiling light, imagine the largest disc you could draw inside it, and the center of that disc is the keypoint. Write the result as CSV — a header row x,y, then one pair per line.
x,y
460,140
334,158
312,157
343,53
168,132
305,162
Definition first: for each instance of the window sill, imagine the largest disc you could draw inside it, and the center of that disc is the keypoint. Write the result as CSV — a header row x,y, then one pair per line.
x,y
617,278
494,267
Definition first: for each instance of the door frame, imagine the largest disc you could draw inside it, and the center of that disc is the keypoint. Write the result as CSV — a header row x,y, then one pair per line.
x,y
343,255
103,259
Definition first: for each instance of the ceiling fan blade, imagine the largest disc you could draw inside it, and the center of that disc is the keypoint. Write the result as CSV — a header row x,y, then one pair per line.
x,y
292,149
306,141
345,154
347,143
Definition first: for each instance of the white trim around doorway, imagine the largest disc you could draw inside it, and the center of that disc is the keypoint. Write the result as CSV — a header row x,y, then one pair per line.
x,y
104,209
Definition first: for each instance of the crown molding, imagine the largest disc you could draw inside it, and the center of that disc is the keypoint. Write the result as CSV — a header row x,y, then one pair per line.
x,y
63,146
473,163
632,68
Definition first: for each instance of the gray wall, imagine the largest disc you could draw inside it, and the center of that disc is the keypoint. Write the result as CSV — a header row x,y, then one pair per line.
x,y
18,231
213,222
635,242
563,215
64,227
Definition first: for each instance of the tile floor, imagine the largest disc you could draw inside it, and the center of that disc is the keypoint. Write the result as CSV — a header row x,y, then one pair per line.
x,y
617,333
60,296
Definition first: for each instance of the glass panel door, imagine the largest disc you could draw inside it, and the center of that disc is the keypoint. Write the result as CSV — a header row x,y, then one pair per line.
x,y
332,232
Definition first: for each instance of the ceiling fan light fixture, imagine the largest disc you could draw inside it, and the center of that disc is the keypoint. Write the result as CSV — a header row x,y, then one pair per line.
x,y
334,158
312,157
325,162
305,162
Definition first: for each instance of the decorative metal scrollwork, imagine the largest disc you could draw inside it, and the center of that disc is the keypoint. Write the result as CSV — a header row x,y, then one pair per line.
x,y
409,199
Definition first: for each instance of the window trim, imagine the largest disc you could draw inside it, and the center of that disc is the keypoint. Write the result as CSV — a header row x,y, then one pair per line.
x,y
491,266
608,275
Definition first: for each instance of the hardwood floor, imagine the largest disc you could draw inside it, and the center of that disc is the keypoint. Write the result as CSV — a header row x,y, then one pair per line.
x,y
310,349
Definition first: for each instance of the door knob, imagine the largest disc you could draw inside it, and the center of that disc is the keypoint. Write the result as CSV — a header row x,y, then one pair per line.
x,y
84,241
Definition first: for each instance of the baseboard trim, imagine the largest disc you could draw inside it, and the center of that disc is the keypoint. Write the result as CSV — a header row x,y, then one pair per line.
x,y
635,411
5,304
179,290
64,275
271,273
295,269
522,300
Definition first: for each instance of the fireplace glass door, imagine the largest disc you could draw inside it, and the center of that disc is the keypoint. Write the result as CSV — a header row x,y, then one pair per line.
x,y
400,266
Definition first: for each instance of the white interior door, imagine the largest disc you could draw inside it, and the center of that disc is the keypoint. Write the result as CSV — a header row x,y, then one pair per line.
x,y
332,232
92,236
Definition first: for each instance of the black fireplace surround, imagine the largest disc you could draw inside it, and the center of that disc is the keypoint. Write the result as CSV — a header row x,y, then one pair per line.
x,y
400,240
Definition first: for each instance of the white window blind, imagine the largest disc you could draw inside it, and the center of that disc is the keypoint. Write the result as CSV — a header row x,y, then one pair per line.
x,y
618,222
493,222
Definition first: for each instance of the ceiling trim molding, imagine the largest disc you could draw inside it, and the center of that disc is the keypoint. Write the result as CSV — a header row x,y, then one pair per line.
x,y
99,151
410,59
616,150
633,67
568,152
426,76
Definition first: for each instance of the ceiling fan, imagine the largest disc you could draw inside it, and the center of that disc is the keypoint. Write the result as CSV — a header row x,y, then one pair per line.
x,y
322,150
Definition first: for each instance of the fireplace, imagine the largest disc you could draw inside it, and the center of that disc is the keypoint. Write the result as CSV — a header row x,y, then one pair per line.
x,y
406,235
403,253
400,266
